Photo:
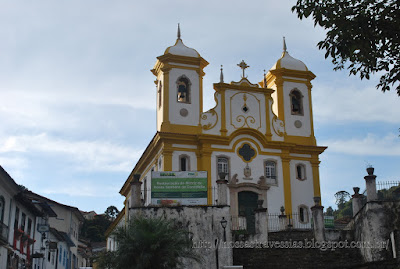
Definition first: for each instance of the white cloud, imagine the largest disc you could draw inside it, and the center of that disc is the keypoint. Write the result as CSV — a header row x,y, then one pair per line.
x,y
14,165
82,189
86,155
371,145
340,102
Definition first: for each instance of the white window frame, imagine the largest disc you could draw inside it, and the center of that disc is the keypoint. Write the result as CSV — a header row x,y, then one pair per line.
x,y
228,166
271,180
303,171
306,214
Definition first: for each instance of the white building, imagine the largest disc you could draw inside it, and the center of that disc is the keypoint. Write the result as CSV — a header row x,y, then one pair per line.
x,y
63,224
260,134
18,222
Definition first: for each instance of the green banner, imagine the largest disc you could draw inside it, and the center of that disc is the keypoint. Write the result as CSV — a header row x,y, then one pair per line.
x,y
179,187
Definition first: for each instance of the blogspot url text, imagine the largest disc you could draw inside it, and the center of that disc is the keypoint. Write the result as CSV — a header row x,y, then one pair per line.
x,y
293,244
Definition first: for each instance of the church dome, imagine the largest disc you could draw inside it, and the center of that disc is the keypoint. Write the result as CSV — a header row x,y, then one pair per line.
x,y
180,49
288,62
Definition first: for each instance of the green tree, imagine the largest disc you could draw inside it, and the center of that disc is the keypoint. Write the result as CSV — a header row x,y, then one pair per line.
x,y
94,229
329,211
345,210
148,243
106,260
341,198
362,35
111,212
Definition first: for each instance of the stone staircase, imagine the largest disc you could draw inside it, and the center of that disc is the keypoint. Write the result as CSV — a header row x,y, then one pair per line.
x,y
290,255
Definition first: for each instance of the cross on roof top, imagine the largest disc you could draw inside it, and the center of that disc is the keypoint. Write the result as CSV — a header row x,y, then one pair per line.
x,y
243,66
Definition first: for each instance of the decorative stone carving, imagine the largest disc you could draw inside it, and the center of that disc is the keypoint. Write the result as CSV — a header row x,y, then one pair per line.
x,y
184,112
249,113
233,179
209,119
278,126
298,124
262,181
247,172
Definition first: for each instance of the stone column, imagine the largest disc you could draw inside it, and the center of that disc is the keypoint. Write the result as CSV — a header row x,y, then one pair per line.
x,y
222,189
357,201
283,223
135,191
370,182
318,220
261,224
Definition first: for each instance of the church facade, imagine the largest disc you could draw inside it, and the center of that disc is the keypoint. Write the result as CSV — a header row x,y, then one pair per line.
x,y
259,137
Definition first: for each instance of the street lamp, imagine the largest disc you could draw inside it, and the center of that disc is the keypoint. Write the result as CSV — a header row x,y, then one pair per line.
x,y
224,222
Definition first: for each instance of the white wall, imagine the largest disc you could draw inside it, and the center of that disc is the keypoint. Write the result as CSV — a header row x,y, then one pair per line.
x,y
275,196
302,190
193,107
236,118
291,129
176,163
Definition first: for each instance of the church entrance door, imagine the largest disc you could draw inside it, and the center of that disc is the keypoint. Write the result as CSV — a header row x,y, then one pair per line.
x,y
247,204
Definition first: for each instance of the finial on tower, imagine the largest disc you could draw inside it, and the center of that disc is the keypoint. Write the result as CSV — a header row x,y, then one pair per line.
x,y
265,80
179,32
284,45
221,77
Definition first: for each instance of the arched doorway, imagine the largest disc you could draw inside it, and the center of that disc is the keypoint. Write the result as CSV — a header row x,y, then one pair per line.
x,y
247,201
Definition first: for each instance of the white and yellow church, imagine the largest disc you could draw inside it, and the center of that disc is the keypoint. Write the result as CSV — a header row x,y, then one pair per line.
x,y
261,135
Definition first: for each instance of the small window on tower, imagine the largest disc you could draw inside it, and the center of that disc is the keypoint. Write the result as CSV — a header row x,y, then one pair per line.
x,y
300,172
183,87
159,91
159,164
296,101
184,163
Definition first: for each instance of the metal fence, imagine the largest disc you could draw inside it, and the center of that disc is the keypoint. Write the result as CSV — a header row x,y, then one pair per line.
x,y
385,190
276,222
238,223
388,190
279,222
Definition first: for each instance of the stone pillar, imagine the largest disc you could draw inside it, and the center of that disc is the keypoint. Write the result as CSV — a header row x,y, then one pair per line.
x,y
283,223
370,182
318,220
357,201
222,189
135,191
261,224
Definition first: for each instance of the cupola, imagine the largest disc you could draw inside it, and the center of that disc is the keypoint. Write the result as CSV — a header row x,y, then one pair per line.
x,y
288,62
180,49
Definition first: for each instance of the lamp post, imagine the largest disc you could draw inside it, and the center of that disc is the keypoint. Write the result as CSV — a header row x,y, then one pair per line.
x,y
224,222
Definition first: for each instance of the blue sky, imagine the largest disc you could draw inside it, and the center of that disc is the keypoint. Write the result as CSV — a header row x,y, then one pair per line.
x,y
77,99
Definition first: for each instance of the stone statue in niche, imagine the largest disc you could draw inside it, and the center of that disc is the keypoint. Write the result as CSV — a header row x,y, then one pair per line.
x,y
247,172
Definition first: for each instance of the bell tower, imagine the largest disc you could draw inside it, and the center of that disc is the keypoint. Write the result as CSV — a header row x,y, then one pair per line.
x,y
291,80
179,73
